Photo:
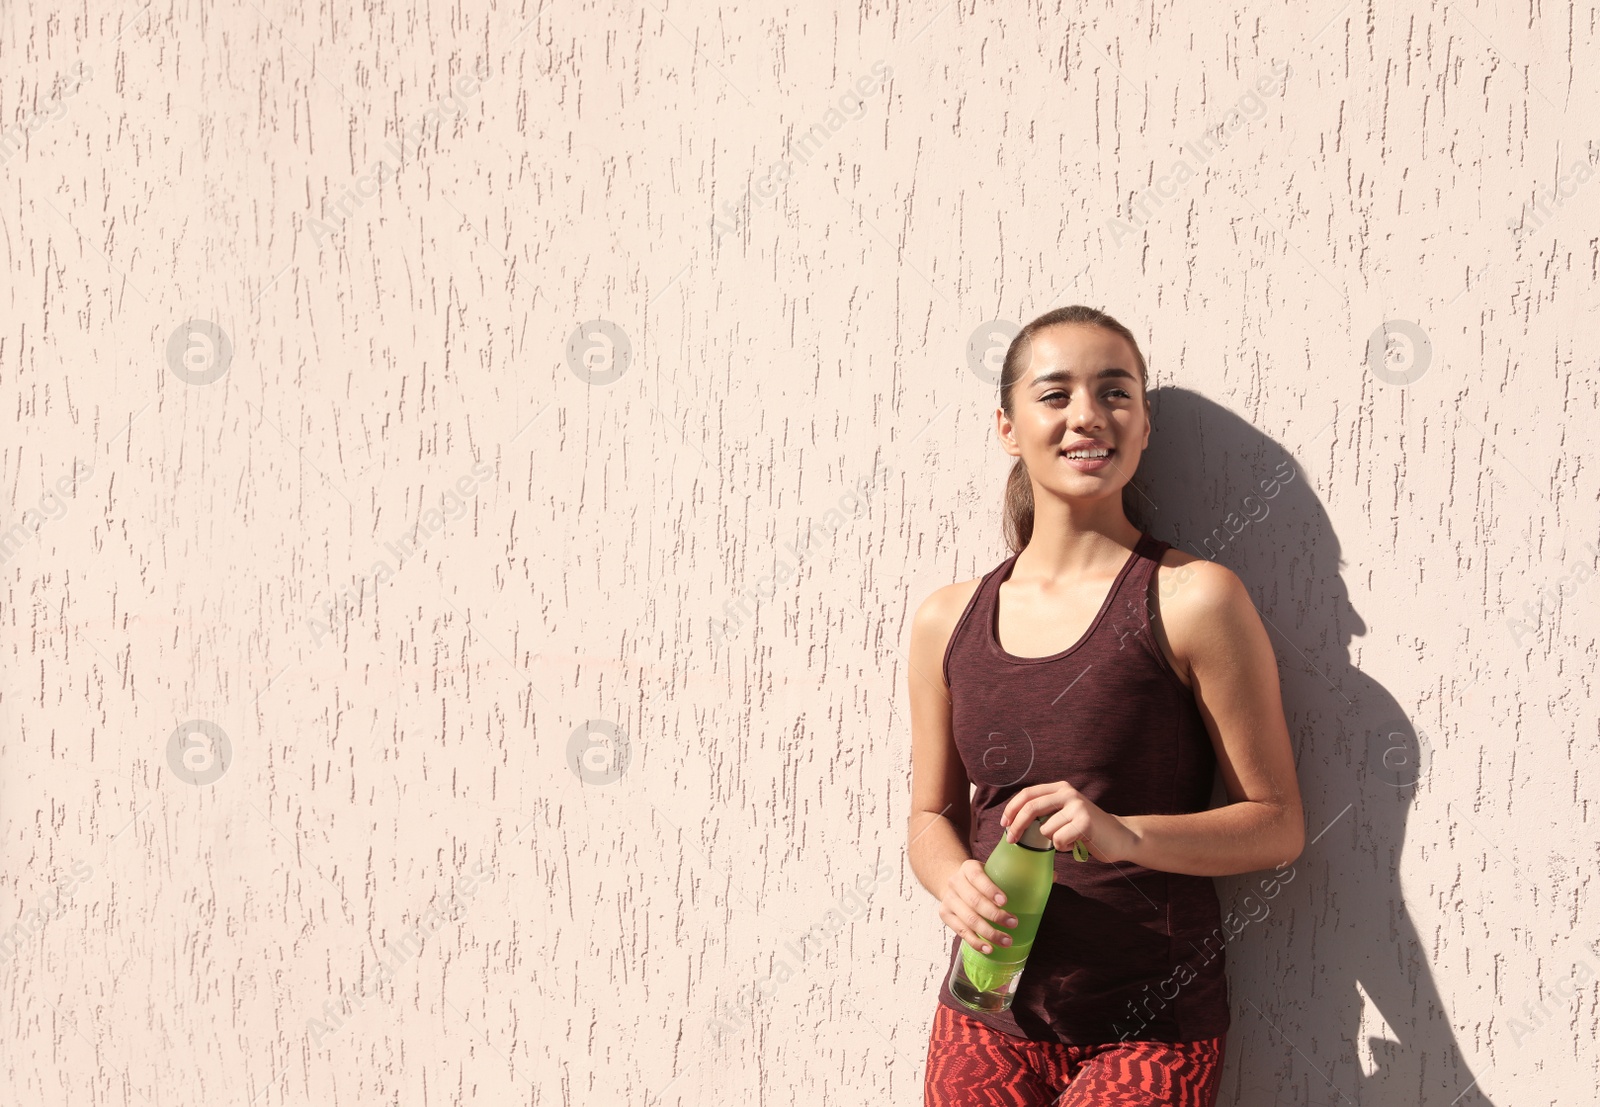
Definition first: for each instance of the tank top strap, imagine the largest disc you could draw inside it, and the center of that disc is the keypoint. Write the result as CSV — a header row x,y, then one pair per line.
x,y
979,614
1148,550
1129,612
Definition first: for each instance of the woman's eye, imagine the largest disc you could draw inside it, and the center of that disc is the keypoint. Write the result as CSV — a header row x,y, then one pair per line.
x,y
1058,394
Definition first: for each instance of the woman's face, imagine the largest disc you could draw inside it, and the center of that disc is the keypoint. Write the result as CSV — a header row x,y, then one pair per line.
x,y
1080,384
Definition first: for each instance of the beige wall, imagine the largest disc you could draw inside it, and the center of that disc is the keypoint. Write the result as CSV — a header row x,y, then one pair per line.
x,y
645,307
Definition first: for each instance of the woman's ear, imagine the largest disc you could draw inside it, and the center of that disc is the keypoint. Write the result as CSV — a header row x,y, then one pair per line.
x,y
1004,429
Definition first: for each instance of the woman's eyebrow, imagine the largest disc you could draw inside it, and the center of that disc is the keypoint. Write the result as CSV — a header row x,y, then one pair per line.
x,y
1065,376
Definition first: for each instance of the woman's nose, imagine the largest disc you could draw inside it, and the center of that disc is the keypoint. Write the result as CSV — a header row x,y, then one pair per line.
x,y
1084,414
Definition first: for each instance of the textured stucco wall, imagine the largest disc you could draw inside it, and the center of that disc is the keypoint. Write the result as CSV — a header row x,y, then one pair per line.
x,y
519,540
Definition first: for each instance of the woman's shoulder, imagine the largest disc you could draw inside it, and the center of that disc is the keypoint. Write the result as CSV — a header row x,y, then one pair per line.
x,y
935,622
941,609
1210,580
1194,592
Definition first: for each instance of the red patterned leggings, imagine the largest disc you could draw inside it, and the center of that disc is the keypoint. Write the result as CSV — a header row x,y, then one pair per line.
x,y
972,1065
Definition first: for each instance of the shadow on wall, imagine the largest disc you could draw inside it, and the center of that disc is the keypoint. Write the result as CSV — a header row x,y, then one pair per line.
x,y
1216,487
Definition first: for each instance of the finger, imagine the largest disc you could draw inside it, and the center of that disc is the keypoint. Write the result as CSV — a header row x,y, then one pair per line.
x,y
1025,816
1012,828
954,923
986,887
984,909
1000,917
972,872
989,933
985,906
967,935
1069,814
1055,824
1069,833
1021,797
1028,795
967,929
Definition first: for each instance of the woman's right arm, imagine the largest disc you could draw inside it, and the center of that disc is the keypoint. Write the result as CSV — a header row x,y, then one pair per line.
x,y
941,809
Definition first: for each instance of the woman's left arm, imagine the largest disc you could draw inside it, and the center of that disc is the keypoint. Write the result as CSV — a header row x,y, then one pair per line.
x,y
1216,635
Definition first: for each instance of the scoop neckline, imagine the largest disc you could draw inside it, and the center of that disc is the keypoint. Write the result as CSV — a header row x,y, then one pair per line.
x,y
993,635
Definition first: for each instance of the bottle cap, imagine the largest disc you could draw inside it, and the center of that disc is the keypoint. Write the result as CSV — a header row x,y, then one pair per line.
x,y
1034,837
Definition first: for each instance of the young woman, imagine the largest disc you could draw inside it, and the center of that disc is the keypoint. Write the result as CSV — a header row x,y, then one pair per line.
x,y
1096,678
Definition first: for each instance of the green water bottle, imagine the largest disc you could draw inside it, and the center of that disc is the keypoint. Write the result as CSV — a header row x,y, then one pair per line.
x,y
1024,871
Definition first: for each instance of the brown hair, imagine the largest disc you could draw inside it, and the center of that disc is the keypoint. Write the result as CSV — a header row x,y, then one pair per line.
x,y
1019,488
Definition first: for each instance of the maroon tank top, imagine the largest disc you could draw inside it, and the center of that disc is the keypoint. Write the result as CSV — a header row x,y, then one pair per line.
x,y
1122,951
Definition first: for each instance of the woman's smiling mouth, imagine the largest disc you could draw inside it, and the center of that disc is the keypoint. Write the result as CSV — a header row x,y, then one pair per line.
x,y
1087,456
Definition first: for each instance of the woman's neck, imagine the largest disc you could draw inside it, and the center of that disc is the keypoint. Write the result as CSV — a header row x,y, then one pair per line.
x,y
1072,540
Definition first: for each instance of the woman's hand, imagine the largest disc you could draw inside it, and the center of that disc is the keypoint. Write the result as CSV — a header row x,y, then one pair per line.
x,y
1074,816
969,899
